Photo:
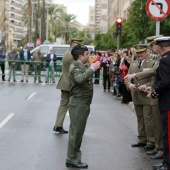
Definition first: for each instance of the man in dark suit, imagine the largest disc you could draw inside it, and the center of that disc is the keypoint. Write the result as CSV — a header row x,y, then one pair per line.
x,y
51,59
64,86
25,56
162,91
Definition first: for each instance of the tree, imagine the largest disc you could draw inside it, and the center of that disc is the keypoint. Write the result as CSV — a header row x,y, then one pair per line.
x,y
66,26
29,21
54,12
43,26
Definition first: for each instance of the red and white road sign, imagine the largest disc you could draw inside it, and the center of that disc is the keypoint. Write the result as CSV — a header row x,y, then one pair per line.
x,y
158,9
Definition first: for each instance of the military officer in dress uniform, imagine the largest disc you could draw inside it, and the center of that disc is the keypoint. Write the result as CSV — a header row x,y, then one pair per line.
x,y
157,153
64,86
80,76
162,92
141,103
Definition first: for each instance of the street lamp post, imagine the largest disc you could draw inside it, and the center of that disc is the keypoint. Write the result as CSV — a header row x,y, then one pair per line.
x,y
47,24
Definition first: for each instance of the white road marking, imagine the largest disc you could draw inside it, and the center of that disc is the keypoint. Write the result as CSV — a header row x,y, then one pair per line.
x,y
6,119
29,97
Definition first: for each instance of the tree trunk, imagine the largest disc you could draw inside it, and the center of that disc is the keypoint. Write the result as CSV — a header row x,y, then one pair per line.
x,y
29,21
43,23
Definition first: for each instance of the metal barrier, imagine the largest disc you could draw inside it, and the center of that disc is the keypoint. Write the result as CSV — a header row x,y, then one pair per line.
x,y
31,72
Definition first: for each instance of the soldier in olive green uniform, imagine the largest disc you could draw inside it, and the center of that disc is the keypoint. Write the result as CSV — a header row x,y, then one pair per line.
x,y
141,103
157,153
38,58
79,103
64,86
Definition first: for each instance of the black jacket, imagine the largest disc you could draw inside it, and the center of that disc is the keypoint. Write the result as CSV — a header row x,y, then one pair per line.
x,y
105,68
22,55
162,82
48,59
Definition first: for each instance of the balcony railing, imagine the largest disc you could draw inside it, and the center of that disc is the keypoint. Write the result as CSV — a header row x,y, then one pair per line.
x,y
16,4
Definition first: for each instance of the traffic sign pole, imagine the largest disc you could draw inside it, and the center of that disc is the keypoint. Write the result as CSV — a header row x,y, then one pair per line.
x,y
157,27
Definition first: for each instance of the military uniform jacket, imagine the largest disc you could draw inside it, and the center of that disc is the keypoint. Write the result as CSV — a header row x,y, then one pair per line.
x,y
38,58
63,82
162,82
139,97
80,83
150,73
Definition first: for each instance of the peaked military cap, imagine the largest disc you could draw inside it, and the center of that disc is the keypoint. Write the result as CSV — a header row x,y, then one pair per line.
x,y
79,47
77,40
151,39
140,47
162,40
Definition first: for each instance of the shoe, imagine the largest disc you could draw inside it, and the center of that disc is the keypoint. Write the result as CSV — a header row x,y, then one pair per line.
x,y
8,79
45,81
156,156
22,81
160,166
60,130
138,144
151,153
104,90
40,81
149,147
3,80
53,81
15,81
108,90
79,165
26,81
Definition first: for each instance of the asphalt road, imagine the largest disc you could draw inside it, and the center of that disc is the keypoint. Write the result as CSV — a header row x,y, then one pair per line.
x,y
27,142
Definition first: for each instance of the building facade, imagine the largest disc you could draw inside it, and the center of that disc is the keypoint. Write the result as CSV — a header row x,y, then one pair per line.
x,y
101,16
91,24
11,22
118,8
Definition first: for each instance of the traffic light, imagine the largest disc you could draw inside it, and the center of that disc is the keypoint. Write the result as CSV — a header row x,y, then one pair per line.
x,y
118,26
74,32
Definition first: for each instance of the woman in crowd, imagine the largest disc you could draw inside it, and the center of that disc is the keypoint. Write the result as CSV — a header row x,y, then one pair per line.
x,y
97,72
126,96
106,77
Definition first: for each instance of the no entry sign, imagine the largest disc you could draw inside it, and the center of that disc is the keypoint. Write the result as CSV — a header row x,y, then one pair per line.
x,y
158,9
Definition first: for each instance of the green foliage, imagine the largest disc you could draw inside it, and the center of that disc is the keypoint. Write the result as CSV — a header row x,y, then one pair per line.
x,y
135,29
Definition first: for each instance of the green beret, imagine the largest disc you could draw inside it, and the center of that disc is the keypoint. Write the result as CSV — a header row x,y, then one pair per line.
x,y
79,47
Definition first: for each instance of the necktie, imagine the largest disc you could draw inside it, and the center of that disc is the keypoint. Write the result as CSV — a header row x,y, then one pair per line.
x,y
139,65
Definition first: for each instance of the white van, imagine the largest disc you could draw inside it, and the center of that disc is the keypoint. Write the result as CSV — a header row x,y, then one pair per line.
x,y
59,50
